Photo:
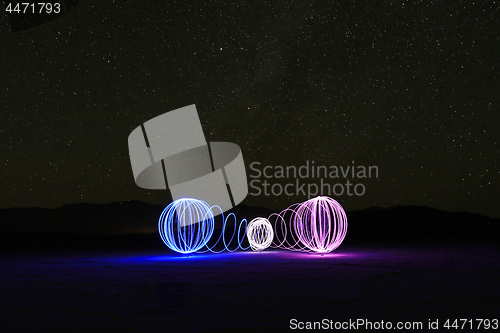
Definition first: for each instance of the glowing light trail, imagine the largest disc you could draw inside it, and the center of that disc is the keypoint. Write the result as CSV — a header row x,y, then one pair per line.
x,y
316,225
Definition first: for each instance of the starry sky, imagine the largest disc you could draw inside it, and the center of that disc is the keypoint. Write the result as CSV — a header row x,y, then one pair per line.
x,y
409,86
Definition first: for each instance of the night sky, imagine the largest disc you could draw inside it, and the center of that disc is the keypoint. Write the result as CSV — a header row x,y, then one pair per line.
x,y
412,87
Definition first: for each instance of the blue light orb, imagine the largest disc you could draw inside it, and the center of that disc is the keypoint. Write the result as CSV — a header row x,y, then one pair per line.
x,y
186,225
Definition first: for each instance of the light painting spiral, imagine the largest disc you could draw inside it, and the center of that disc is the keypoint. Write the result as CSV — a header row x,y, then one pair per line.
x,y
178,228
316,225
260,234
225,243
187,225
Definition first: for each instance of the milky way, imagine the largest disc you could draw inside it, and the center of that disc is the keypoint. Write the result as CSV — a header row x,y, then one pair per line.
x,y
411,87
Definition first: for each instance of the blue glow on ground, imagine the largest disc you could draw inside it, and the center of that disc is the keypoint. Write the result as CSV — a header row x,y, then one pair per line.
x,y
243,256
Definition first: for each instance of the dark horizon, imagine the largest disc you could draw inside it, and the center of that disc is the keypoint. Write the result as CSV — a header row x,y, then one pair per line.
x,y
371,208
137,217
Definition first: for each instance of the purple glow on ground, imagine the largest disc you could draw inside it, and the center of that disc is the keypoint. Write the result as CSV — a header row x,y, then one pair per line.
x,y
242,257
151,290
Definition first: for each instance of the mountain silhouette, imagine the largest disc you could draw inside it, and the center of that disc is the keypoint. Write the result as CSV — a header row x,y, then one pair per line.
x,y
400,223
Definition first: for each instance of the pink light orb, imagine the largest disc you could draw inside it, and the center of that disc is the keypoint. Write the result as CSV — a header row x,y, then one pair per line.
x,y
321,224
316,225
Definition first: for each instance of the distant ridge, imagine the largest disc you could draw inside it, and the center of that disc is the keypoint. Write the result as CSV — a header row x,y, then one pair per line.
x,y
419,222
83,218
136,217
129,217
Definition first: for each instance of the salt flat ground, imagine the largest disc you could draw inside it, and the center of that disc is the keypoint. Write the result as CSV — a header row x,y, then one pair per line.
x,y
160,291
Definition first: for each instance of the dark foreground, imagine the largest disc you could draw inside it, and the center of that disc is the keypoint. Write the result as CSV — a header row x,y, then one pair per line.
x,y
154,290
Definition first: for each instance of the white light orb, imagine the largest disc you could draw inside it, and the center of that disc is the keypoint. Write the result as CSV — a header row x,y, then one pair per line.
x,y
260,234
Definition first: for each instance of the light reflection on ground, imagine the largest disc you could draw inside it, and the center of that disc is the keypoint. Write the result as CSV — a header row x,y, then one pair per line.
x,y
246,255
